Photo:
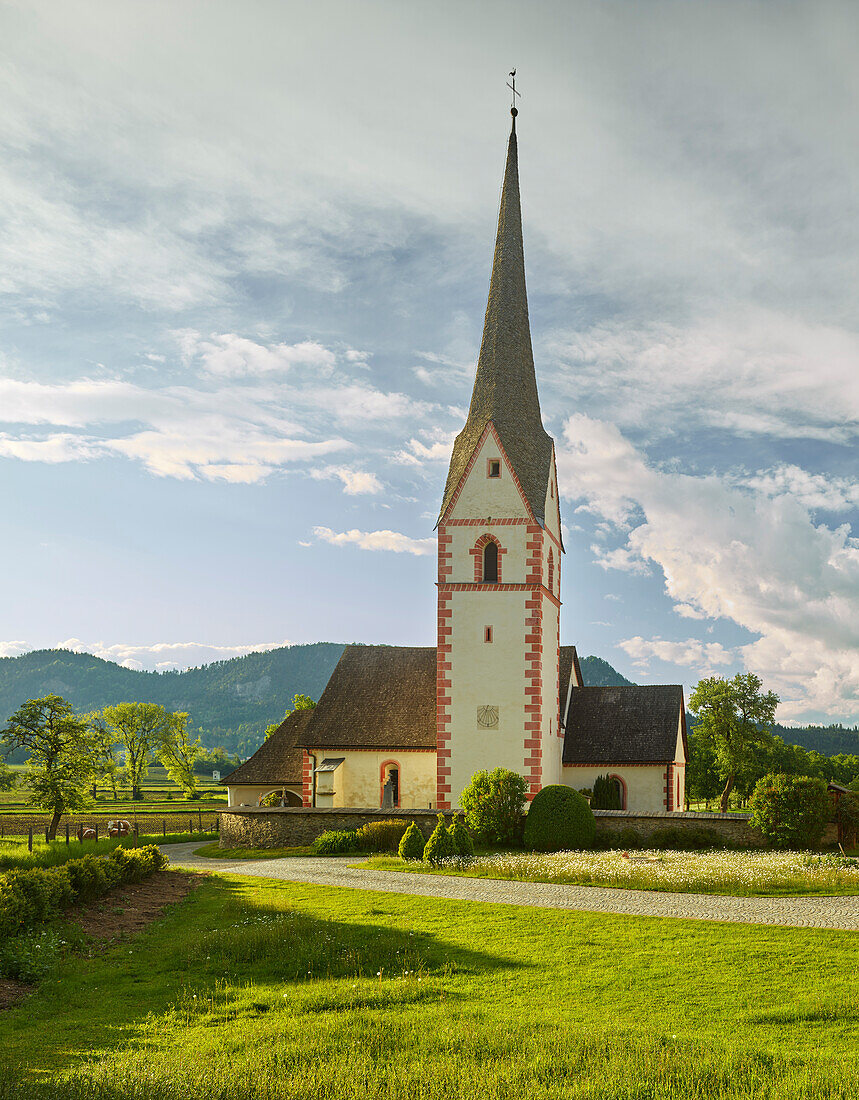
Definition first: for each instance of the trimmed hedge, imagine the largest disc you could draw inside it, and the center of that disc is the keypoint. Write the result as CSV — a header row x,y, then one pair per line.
x,y
559,819
412,844
440,845
38,895
462,841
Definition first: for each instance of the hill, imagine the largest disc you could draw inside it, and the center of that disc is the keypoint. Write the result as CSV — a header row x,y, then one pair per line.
x,y
230,702
598,673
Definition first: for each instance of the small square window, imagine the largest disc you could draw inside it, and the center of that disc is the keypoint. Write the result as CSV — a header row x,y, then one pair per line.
x,y
487,634
494,468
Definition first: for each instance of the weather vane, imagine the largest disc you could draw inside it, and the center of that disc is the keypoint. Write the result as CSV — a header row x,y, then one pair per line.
x,y
511,84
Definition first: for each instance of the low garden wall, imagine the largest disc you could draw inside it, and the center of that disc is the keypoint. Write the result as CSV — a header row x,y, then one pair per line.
x,y
292,826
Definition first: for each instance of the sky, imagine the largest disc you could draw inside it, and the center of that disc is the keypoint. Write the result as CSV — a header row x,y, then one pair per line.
x,y
244,257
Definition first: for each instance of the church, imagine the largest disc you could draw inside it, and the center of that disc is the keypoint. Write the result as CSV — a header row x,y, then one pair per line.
x,y
407,727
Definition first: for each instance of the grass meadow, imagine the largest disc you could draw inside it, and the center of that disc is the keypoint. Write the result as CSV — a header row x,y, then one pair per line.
x,y
262,989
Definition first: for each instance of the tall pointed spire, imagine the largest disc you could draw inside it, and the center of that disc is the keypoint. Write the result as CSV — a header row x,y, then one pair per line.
x,y
505,386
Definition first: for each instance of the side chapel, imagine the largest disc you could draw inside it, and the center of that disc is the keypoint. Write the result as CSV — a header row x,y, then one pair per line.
x,y
402,726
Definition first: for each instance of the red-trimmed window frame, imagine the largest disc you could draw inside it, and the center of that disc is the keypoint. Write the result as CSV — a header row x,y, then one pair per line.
x,y
490,462
390,764
622,781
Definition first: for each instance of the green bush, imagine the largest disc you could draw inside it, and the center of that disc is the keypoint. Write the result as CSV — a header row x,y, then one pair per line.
x,y
847,816
461,839
381,836
37,895
440,845
606,795
791,810
336,842
494,803
412,845
686,840
559,819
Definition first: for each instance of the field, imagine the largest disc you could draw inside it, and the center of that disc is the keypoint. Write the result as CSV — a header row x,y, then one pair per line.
x,y
738,873
254,988
163,808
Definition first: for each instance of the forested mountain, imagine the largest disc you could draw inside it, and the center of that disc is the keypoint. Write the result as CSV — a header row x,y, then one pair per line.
x,y
828,740
229,702
598,673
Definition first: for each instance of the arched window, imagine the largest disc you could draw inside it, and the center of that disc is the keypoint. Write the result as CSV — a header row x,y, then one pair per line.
x,y
490,563
620,788
551,584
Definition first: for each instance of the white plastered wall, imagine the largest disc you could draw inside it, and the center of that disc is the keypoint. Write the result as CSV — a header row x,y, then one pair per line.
x,y
356,783
489,496
645,784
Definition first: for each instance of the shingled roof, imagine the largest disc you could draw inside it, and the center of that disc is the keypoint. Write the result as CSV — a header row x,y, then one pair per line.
x,y
623,725
279,757
378,697
567,665
505,386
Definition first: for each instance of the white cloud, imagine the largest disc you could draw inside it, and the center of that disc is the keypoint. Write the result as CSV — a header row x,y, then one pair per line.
x,y
229,355
813,491
355,482
737,552
377,540
754,372
691,652
157,657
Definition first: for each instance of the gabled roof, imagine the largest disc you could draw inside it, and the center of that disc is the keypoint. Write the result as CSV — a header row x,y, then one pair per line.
x,y
279,757
378,697
505,386
623,725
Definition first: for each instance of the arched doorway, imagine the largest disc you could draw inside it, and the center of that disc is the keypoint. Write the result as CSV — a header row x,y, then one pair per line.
x,y
389,781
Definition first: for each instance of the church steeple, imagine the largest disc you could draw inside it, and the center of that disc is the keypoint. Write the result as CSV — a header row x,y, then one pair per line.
x,y
505,386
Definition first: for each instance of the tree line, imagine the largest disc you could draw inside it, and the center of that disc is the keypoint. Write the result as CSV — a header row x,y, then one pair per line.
x,y
69,752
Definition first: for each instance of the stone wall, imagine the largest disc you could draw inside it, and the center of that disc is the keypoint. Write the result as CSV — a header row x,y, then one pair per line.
x,y
735,828
290,827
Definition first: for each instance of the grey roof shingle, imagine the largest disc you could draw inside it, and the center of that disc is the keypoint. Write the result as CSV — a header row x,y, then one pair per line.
x,y
378,697
505,386
568,663
279,757
623,725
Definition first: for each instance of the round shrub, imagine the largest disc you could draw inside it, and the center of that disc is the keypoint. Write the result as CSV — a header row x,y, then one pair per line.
x,y
493,803
412,845
440,845
461,839
791,810
559,819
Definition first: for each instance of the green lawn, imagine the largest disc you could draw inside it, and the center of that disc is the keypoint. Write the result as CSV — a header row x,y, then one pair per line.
x,y
265,989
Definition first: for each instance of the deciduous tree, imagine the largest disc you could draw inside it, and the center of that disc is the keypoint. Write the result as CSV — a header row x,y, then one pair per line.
x,y
141,728
178,754
59,744
737,718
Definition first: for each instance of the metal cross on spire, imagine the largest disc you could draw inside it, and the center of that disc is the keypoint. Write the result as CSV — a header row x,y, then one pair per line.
x,y
511,84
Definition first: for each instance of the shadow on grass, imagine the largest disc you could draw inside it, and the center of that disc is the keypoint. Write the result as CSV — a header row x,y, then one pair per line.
x,y
221,953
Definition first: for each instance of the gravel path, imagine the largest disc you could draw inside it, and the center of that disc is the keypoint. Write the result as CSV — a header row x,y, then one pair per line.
x,y
805,912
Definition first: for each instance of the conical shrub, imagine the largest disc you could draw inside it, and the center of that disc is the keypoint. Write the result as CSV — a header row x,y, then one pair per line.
x,y
440,845
412,845
461,839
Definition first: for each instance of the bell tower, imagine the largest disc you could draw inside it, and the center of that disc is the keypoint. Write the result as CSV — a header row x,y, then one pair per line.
x,y
499,550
